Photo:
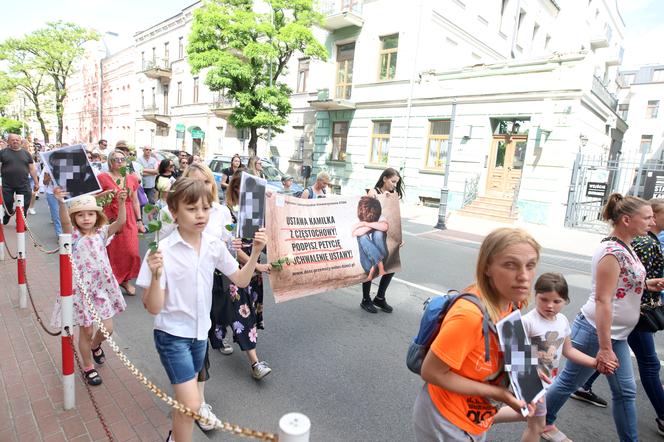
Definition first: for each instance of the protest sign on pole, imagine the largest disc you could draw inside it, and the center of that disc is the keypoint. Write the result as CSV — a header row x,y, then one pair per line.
x,y
70,169
331,242
251,215
521,359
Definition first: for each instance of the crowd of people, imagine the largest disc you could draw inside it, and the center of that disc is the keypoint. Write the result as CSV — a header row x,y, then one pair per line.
x,y
464,392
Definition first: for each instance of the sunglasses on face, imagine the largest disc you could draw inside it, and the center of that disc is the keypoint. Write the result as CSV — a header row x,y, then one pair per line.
x,y
118,160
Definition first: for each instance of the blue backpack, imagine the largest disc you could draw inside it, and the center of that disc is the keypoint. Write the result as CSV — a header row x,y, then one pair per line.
x,y
435,309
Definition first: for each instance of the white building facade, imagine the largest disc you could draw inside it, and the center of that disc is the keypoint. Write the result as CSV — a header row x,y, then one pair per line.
x,y
513,90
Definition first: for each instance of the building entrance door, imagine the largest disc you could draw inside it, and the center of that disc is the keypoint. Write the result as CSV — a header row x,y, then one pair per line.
x,y
505,164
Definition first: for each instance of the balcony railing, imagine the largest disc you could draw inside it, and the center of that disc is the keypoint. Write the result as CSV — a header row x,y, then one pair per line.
x,y
341,13
223,105
157,63
331,7
603,94
153,109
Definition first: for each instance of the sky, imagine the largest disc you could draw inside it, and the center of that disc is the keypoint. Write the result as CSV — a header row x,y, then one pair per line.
x,y
644,20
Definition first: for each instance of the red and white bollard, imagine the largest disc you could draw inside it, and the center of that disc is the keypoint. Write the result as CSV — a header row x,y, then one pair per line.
x,y
294,427
20,251
67,319
2,227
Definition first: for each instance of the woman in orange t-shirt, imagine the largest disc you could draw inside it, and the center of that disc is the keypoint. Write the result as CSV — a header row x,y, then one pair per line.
x,y
460,397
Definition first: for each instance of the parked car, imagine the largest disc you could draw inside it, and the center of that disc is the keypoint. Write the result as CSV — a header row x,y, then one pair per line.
x,y
273,175
166,155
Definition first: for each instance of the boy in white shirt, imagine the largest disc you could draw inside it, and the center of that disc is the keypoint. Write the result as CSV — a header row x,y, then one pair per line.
x,y
178,289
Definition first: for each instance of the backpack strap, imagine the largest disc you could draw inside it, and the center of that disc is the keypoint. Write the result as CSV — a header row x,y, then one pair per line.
x,y
487,325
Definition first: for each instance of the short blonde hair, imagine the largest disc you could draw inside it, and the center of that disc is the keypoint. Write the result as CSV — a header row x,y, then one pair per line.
x,y
494,243
187,191
323,176
202,168
109,159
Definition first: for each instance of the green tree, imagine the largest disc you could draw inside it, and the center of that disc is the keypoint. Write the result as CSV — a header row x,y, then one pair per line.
x,y
245,53
6,92
10,126
23,76
56,48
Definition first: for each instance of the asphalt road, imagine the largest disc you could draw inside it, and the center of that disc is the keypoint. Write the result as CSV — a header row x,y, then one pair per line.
x,y
344,368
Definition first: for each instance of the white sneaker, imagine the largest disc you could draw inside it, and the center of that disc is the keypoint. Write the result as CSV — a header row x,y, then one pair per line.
x,y
227,348
260,369
32,212
206,412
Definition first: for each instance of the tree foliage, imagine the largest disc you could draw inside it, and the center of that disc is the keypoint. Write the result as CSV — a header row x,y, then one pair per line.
x,y
245,52
26,78
10,126
49,52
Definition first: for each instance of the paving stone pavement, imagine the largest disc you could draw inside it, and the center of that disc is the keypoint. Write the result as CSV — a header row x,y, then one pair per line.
x,y
31,396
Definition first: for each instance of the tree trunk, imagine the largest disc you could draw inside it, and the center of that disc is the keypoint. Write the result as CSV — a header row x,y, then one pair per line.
x,y
42,124
59,109
253,141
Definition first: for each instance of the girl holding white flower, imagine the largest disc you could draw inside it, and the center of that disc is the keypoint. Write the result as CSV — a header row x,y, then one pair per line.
x,y
243,307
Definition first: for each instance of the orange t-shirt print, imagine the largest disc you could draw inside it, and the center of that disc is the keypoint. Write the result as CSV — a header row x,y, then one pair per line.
x,y
460,344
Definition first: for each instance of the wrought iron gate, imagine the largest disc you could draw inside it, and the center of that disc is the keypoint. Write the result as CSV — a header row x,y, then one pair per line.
x,y
594,178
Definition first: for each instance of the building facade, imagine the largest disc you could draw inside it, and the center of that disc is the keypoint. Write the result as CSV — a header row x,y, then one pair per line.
x,y
506,86
498,96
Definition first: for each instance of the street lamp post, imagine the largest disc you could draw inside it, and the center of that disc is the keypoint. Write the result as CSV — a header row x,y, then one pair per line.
x,y
442,208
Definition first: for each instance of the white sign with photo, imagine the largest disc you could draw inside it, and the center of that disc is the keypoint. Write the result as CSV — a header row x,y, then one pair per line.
x,y
71,170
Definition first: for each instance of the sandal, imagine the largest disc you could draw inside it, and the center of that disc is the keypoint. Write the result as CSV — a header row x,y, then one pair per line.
x,y
126,289
555,435
98,355
92,377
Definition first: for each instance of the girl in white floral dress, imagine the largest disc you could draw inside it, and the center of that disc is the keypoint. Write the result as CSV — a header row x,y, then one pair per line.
x,y
90,235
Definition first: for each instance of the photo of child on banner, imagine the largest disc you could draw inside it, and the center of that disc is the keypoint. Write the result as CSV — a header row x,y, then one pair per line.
x,y
331,242
521,360
70,168
251,215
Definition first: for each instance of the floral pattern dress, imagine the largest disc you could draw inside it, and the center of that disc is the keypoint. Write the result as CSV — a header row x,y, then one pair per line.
x,y
241,309
90,262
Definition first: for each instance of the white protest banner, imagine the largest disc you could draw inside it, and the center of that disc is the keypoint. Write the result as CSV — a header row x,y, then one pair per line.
x,y
70,169
332,242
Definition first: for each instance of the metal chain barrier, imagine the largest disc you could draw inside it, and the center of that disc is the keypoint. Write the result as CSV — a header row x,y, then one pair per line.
x,y
34,308
37,243
218,425
102,421
14,257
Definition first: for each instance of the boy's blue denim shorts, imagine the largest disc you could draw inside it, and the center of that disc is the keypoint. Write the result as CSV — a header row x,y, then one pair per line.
x,y
182,358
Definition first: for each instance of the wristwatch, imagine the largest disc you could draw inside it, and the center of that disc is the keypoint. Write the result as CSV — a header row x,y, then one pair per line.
x,y
139,219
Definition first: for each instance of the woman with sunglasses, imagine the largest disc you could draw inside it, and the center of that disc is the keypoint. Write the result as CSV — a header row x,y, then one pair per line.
x,y
123,249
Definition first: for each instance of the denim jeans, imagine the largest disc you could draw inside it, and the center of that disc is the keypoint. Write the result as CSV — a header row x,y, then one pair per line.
x,y
643,346
623,386
54,208
182,358
373,248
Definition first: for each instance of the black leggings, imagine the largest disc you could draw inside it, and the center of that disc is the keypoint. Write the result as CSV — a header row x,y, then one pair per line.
x,y
382,287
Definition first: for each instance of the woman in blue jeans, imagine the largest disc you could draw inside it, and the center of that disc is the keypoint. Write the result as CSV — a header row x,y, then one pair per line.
x,y
608,317
389,182
649,250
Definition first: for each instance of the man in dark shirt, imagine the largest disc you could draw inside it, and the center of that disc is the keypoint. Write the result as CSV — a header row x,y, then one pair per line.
x,y
17,164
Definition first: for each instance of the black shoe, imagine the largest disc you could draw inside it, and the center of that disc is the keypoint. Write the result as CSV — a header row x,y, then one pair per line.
x,y
588,396
382,304
5,219
660,426
367,305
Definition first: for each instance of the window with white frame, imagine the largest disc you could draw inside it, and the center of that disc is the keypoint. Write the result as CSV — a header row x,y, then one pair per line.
x,y
302,74
646,143
389,45
652,109
339,140
439,134
380,142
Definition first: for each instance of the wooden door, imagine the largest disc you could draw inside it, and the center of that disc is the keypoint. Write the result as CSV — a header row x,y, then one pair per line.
x,y
505,164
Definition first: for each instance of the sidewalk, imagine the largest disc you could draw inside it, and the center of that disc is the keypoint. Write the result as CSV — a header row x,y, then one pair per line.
x,y
31,397
574,241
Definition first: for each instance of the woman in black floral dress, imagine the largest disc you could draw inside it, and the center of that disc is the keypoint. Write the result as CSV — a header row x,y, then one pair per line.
x,y
241,309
